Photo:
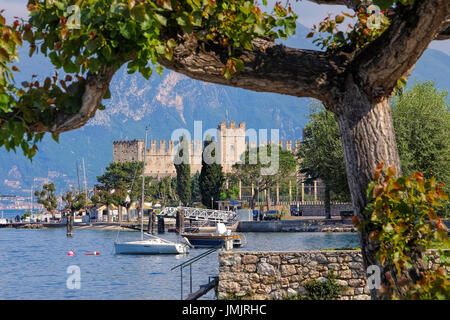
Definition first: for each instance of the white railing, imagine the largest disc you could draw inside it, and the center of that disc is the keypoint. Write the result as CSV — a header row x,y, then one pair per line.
x,y
201,214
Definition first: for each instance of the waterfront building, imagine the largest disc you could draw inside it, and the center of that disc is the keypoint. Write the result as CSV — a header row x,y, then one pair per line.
x,y
231,141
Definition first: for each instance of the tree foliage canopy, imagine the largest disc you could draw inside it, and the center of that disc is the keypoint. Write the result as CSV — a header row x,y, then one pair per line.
x,y
183,170
74,201
320,154
250,168
121,182
211,176
421,118
47,197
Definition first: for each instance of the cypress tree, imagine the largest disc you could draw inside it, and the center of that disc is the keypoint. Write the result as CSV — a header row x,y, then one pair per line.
x,y
211,175
183,170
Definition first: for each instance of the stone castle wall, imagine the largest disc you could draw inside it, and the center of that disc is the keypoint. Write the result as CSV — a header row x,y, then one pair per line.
x,y
282,274
126,151
159,157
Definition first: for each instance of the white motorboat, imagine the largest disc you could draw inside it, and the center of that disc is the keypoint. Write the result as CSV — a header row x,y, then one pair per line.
x,y
150,246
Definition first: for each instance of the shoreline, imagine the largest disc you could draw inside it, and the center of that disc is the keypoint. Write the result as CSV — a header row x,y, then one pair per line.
x,y
236,228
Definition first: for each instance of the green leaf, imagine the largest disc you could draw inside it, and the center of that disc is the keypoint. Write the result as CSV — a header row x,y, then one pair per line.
x,y
138,12
259,29
70,67
197,18
159,69
384,4
127,30
107,94
161,19
339,18
290,26
55,136
55,59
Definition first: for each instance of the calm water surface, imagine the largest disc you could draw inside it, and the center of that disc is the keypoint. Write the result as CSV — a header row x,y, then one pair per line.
x,y
33,263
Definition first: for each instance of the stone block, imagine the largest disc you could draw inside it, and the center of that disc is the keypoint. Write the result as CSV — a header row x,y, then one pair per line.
x,y
342,282
354,282
265,268
237,268
249,259
250,268
345,274
348,291
275,260
320,258
288,270
291,293
355,265
229,259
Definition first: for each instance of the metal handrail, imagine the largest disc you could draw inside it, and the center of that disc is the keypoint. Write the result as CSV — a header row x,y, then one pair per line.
x,y
200,214
189,263
196,258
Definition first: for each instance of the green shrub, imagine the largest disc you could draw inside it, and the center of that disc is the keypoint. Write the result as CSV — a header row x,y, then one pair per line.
x,y
323,290
320,290
404,222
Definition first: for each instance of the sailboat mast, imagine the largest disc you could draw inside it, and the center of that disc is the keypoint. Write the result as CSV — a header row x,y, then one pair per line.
x,y
78,176
143,184
85,187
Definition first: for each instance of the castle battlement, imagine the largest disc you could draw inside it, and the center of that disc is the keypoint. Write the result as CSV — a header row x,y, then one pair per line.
x,y
160,154
167,147
284,144
224,125
127,142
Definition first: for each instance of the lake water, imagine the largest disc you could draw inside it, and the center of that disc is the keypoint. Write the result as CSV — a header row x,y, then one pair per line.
x,y
33,263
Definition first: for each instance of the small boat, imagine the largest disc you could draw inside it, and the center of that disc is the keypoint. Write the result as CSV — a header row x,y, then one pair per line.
x,y
238,241
207,240
155,245
221,238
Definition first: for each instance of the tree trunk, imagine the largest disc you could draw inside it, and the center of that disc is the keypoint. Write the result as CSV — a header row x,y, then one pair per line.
x,y
120,214
69,224
128,213
327,202
268,198
255,196
368,139
150,223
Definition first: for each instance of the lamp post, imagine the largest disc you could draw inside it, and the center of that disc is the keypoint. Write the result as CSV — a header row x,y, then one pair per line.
x,y
212,203
257,200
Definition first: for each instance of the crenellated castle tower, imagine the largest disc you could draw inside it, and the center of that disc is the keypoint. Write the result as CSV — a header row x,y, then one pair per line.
x,y
231,140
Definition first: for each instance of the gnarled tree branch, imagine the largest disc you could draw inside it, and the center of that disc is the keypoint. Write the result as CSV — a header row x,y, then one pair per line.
x,y
392,56
95,89
444,34
348,3
268,68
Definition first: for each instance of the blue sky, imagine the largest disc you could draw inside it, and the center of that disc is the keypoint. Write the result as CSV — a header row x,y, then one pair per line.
x,y
309,14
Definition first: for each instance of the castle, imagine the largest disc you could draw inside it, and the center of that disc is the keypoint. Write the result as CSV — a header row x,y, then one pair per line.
x,y
159,161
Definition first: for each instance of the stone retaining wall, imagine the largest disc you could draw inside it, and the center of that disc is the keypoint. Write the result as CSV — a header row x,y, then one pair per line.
x,y
282,274
319,210
304,225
